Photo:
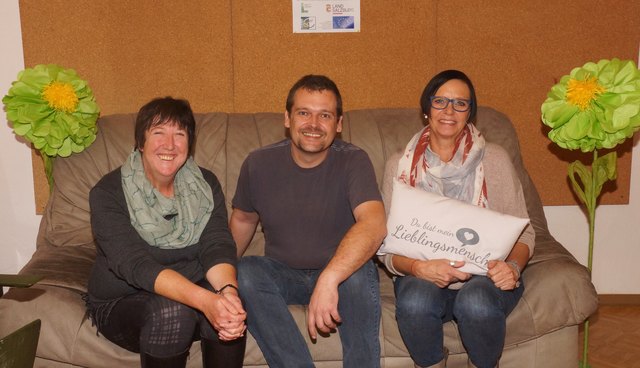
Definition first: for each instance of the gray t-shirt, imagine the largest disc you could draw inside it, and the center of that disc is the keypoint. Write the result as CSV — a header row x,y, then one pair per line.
x,y
305,213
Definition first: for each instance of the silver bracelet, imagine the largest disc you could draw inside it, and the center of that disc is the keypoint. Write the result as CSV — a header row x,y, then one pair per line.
x,y
515,266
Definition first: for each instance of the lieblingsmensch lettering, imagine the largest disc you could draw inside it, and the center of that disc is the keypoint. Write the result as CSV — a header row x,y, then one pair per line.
x,y
422,238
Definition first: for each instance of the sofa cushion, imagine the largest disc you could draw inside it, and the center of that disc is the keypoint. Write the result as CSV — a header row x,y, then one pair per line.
x,y
436,233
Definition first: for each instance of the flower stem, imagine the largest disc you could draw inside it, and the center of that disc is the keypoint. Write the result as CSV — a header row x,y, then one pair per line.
x,y
591,209
585,347
48,168
591,203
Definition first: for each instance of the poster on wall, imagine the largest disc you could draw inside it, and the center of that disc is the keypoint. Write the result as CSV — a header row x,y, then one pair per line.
x,y
321,16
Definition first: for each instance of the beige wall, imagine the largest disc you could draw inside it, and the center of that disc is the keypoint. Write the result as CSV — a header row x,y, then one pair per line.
x,y
242,56
18,220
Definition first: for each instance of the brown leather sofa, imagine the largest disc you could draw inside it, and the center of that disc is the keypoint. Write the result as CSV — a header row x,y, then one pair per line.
x,y
541,332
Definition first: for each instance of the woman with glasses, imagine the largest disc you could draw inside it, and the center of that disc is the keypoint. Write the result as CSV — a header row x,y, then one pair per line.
x,y
451,158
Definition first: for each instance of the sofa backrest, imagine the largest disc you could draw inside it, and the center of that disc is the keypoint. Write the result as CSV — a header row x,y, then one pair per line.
x,y
223,141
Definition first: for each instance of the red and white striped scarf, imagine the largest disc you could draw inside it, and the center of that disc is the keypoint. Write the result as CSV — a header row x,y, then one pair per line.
x,y
461,178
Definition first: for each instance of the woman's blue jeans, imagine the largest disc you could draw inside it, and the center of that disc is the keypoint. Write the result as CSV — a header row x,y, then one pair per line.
x,y
479,308
268,286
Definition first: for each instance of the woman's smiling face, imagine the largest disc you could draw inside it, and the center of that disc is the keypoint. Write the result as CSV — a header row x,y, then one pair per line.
x,y
447,124
165,150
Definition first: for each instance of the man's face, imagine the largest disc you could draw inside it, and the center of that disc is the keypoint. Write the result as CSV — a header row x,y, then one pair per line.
x,y
313,125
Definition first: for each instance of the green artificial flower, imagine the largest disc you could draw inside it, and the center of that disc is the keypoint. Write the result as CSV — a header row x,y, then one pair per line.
x,y
596,106
53,109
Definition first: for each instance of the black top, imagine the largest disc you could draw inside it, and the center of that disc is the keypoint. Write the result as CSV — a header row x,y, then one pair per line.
x,y
126,263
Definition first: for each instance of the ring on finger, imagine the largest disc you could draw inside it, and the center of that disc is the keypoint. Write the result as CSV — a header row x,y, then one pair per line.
x,y
452,263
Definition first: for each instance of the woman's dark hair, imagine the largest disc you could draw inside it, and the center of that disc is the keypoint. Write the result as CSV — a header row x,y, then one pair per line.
x,y
165,110
441,78
315,83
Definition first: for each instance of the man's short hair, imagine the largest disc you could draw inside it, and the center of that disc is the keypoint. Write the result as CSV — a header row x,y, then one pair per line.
x,y
315,83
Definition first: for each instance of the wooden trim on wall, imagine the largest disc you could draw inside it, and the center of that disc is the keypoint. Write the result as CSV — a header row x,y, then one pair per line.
x,y
619,299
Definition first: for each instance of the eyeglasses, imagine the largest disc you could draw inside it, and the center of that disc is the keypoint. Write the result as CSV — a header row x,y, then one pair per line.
x,y
458,104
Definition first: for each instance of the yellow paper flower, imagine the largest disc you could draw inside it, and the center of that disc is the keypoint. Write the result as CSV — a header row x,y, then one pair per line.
x,y
60,96
54,109
595,106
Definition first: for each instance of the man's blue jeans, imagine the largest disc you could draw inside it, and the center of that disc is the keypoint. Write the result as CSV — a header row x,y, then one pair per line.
x,y
479,308
268,286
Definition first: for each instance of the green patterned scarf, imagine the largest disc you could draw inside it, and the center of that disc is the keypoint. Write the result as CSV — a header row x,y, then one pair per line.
x,y
167,223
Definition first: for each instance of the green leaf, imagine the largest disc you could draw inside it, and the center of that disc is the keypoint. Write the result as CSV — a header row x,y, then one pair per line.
x,y
65,149
50,151
76,148
42,128
558,114
59,128
622,116
581,188
39,143
628,72
604,169
48,168
21,129
579,127
87,107
21,89
54,142
89,140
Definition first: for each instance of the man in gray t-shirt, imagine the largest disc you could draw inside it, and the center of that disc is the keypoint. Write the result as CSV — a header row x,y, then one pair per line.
x,y
322,215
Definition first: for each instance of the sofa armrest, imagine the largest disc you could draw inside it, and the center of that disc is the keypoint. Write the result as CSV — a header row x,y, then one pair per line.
x,y
559,293
67,267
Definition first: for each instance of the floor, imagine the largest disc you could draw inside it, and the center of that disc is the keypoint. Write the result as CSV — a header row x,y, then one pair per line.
x,y
614,337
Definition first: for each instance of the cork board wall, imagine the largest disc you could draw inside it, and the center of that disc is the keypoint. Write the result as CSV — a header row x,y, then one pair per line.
x,y
241,56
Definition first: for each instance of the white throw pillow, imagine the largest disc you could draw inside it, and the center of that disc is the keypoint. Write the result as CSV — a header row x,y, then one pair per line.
x,y
423,225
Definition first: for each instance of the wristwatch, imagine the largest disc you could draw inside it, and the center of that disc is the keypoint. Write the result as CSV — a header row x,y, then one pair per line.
x,y
515,266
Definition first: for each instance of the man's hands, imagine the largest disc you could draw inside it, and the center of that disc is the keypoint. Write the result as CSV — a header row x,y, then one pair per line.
x,y
441,272
357,247
323,308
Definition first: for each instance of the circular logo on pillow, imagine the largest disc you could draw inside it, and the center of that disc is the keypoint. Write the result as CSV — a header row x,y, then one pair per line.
x,y
467,236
